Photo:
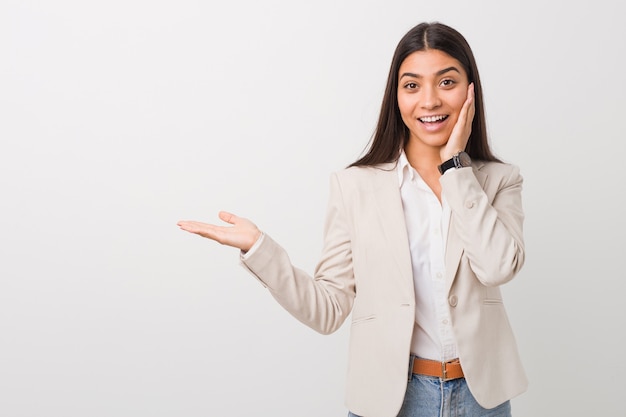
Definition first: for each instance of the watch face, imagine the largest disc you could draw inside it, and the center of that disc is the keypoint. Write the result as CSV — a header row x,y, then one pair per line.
x,y
464,159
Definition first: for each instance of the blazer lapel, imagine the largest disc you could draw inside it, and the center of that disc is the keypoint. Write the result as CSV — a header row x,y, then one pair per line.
x,y
386,188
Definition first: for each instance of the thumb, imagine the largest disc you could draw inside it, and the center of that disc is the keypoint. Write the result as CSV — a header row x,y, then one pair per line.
x,y
228,217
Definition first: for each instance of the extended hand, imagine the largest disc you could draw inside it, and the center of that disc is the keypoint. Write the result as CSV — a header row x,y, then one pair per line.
x,y
242,234
462,129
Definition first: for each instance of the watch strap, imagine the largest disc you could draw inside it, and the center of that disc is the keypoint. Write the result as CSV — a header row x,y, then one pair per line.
x,y
458,160
450,163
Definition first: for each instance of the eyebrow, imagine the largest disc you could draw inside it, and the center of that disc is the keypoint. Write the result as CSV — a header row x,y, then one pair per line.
x,y
438,73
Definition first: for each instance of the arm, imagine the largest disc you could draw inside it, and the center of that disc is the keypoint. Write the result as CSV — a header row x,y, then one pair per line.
x,y
491,230
323,301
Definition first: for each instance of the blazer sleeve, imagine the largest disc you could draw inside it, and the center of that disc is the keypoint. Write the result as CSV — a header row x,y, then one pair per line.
x,y
489,220
322,301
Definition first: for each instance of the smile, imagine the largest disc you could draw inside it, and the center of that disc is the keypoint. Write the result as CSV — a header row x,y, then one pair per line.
x,y
432,119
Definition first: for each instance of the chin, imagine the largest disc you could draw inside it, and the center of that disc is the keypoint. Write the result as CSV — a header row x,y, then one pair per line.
x,y
438,139
435,142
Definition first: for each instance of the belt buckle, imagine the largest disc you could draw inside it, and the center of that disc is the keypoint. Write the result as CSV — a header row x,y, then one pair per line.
x,y
444,372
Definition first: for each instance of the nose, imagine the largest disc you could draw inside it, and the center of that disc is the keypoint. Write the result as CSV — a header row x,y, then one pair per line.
x,y
430,98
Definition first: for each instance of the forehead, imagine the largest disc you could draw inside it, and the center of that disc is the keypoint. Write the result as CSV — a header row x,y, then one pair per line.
x,y
429,62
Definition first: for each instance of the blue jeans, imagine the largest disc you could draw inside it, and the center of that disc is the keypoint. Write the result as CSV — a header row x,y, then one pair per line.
x,y
428,396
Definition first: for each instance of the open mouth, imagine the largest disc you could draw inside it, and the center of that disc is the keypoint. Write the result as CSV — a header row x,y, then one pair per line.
x,y
433,119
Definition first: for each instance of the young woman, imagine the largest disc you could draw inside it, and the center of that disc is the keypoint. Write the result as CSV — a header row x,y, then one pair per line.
x,y
420,233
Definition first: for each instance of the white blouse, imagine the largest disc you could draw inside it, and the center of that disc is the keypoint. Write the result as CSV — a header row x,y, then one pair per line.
x,y
427,222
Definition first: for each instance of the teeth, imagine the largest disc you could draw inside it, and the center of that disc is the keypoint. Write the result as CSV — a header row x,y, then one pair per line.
x,y
430,119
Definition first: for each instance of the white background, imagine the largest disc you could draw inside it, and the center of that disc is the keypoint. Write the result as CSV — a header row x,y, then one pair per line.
x,y
118,118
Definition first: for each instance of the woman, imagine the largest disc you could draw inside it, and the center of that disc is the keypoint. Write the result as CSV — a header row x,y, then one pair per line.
x,y
420,233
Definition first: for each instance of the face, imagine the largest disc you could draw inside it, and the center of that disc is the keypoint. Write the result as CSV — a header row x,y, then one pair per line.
x,y
432,88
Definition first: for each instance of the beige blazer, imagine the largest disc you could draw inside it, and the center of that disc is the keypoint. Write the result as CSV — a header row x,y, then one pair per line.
x,y
365,273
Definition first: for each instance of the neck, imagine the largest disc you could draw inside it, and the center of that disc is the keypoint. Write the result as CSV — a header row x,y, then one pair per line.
x,y
422,157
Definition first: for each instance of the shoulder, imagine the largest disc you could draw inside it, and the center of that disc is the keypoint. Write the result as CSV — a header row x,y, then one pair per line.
x,y
492,167
364,181
499,172
363,173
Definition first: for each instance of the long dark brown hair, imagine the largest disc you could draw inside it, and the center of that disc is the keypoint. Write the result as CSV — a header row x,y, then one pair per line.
x,y
391,134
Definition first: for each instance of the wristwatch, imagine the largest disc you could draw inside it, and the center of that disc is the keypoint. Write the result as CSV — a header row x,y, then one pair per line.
x,y
459,160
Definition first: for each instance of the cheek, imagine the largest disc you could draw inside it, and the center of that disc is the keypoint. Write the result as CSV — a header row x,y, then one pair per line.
x,y
455,104
405,105
457,101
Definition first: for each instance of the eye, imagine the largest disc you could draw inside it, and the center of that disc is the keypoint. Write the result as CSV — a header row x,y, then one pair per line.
x,y
410,86
447,82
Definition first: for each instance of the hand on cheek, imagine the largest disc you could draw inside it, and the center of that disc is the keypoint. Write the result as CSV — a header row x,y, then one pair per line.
x,y
462,129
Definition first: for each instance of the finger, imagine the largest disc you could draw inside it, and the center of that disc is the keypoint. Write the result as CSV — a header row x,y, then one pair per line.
x,y
467,112
228,217
219,234
184,224
471,105
469,100
195,227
